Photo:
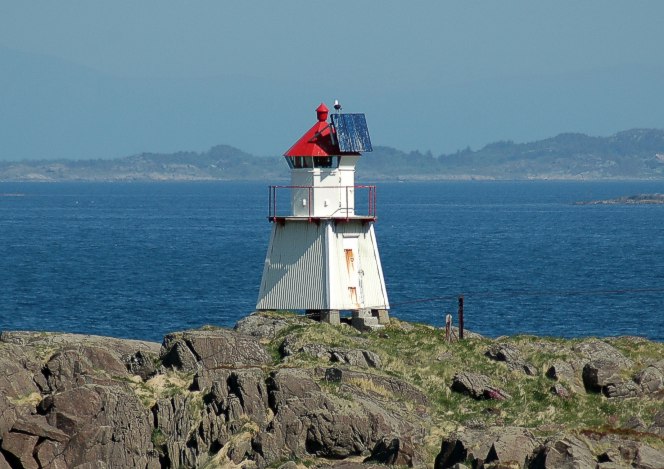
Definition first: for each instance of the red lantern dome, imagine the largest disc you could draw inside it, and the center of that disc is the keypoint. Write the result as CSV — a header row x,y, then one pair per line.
x,y
317,141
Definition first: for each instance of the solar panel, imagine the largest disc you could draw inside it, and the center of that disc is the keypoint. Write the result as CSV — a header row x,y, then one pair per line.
x,y
351,132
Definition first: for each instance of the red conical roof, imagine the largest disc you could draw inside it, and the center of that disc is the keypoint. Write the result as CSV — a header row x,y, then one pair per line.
x,y
317,141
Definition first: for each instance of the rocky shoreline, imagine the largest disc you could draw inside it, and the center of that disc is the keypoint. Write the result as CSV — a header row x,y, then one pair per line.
x,y
285,391
640,199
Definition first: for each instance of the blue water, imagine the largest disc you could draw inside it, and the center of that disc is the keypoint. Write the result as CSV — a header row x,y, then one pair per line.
x,y
141,260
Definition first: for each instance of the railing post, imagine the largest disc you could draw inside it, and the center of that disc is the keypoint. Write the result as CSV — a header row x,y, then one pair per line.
x,y
274,203
372,199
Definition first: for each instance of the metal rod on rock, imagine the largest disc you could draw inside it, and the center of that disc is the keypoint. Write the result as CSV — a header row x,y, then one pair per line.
x,y
461,317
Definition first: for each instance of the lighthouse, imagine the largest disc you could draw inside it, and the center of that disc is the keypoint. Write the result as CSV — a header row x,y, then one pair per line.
x,y
323,256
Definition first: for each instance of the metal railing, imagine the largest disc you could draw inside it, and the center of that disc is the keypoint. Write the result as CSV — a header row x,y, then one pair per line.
x,y
279,206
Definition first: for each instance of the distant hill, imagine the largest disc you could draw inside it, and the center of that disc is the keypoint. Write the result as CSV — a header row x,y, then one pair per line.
x,y
221,162
632,154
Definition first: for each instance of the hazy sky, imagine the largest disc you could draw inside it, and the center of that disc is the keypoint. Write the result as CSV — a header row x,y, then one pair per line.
x,y
87,79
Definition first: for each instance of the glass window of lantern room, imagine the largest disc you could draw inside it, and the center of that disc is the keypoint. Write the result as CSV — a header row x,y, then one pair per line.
x,y
323,162
326,162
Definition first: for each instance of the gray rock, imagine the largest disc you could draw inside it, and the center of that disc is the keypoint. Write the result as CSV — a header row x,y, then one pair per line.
x,y
21,447
477,386
7,414
476,445
651,379
634,423
334,433
610,458
658,424
16,376
600,373
393,451
177,419
309,421
398,388
560,391
267,328
239,449
250,387
568,452
594,349
233,398
568,374
513,444
333,375
179,356
58,341
561,371
70,368
141,363
320,351
48,454
511,356
38,426
196,349
623,389
85,358
648,457
353,357
453,450
103,423
605,376
4,464
286,384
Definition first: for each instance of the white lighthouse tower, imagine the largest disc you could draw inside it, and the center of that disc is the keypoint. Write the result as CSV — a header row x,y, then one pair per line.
x,y
323,256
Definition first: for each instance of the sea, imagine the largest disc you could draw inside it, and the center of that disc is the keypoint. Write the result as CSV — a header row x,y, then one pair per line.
x,y
140,260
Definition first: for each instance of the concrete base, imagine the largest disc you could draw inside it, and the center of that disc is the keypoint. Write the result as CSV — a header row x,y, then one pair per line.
x,y
330,316
383,316
364,321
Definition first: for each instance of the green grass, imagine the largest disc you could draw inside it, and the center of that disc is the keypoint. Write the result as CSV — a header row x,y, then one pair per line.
x,y
420,355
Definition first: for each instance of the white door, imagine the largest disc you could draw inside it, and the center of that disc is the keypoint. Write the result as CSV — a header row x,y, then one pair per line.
x,y
354,271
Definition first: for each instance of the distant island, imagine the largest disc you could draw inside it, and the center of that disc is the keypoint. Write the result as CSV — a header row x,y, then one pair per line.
x,y
631,154
640,199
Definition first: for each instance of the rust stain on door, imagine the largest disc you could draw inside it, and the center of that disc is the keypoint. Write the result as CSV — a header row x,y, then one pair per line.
x,y
350,260
352,275
353,295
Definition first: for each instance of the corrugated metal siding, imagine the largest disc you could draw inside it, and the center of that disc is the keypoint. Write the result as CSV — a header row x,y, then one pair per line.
x,y
294,274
